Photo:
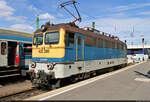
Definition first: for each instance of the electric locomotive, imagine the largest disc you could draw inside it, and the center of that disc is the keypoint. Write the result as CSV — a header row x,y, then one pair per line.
x,y
65,51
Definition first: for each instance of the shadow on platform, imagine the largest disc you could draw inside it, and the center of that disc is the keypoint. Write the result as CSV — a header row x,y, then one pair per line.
x,y
145,75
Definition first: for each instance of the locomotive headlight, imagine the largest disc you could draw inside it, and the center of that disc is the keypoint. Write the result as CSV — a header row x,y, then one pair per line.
x,y
50,66
33,65
42,27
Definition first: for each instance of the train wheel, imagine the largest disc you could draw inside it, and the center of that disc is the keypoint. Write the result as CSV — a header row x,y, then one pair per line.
x,y
74,78
93,73
87,75
81,76
57,84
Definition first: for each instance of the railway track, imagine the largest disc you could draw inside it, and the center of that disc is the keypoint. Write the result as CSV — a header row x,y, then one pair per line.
x,y
22,95
18,90
29,91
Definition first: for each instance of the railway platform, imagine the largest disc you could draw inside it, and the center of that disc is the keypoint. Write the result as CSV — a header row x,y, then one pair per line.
x,y
129,83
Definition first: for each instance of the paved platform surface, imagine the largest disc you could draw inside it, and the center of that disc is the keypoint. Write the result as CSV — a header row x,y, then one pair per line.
x,y
129,84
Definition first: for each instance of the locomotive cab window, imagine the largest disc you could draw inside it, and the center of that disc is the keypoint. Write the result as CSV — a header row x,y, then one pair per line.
x,y
52,38
38,39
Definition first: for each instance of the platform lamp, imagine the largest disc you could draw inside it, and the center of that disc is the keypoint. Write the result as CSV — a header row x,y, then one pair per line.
x,y
93,25
125,41
37,22
143,44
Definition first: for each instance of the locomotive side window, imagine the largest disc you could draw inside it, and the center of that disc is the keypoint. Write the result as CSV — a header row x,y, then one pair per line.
x,y
100,43
69,38
97,42
3,48
113,45
122,47
52,38
109,44
88,41
116,44
106,44
79,41
94,41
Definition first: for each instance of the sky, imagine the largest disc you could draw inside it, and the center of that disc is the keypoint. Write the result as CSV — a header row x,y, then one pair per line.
x,y
127,19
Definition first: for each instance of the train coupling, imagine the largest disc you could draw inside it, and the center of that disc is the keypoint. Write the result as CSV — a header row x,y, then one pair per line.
x,y
41,78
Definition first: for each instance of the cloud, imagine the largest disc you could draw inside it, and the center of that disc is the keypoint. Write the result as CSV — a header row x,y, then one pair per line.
x,y
20,19
124,27
144,13
5,10
46,16
129,7
22,27
33,9
60,15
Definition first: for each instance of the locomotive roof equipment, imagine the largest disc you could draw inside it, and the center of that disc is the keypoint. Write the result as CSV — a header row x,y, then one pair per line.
x,y
74,4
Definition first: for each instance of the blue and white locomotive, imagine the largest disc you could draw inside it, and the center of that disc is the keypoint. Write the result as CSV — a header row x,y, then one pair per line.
x,y
65,51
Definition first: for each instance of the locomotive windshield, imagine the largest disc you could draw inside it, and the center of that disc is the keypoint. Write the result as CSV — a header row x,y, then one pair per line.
x,y
38,39
52,38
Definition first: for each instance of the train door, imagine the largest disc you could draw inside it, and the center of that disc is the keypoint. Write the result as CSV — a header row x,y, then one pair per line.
x,y
79,47
13,53
3,53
